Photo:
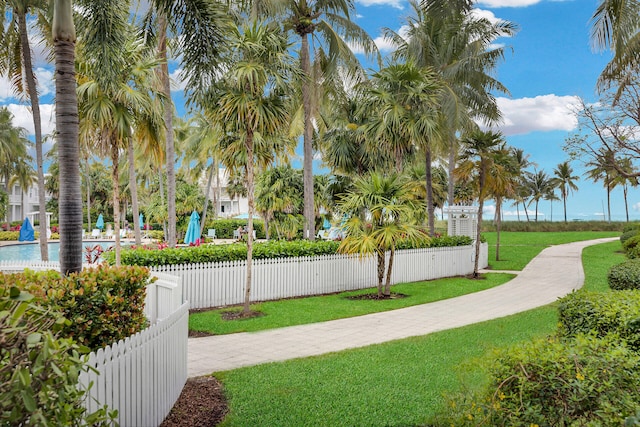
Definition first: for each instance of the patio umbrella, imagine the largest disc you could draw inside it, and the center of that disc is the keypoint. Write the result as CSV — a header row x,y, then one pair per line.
x,y
141,219
326,224
26,232
193,230
100,222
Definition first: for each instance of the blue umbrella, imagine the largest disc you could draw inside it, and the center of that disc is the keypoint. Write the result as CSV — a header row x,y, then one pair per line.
x,y
193,230
26,232
326,224
141,220
100,222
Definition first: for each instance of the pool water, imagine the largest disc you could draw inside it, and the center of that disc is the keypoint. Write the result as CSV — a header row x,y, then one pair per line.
x,y
31,251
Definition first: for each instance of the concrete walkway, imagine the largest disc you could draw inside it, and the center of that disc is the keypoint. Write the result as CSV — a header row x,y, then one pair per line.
x,y
555,272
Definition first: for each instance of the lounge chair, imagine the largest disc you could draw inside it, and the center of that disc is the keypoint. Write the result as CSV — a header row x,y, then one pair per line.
x,y
211,233
95,233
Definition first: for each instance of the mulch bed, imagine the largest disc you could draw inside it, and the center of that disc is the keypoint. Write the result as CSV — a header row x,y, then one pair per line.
x,y
201,404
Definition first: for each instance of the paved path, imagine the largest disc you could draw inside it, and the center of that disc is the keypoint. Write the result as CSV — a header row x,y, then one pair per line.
x,y
555,272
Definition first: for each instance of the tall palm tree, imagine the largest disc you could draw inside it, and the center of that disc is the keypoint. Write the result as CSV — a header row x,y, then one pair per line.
x,y
480,149
250,102
540,185
565,181
616,25
599,169
329,25
112,109
446,37
200,26
381,209
70,210
503,183
278,194
522,192
17,62
626,180
402,116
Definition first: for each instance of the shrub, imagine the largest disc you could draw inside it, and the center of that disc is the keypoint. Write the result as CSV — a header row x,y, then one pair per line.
x,y
601,314
631,248
261,250
39,371
625,275
627,235
104,304
631,226
586,381
9,235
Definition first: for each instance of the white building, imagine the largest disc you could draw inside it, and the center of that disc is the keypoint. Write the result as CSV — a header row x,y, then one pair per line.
x,y
16,212
226,206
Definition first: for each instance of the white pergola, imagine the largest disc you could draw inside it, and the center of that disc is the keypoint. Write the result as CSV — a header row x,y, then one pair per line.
x,y
32,217
462,220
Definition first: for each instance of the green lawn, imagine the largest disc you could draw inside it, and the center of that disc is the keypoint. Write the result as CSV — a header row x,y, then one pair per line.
x,y
518,248
405,382
299,311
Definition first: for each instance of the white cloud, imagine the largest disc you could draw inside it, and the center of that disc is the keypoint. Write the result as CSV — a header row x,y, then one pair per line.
x,y
44,77
177,84
22,117
636,206
485,14
507,3
385,45
393,3
542,113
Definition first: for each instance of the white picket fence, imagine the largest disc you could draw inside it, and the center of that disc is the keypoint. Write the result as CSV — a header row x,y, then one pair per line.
x,y
219,284
143,375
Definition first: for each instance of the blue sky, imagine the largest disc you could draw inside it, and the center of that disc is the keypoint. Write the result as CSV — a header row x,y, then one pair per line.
x,y
548,63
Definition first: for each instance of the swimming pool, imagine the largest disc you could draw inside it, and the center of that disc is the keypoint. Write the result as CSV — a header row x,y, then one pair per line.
x,y
31,251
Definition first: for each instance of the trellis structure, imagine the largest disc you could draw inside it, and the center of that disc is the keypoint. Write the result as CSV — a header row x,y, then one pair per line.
x,y
462,221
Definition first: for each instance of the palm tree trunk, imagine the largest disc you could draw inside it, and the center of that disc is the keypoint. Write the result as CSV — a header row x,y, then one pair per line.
x,y
25,51
168,121
430,207
88,183
115,174
309,210
133,188
498,225
162,194
381,265
625,189
206,198
70,208
218,192
481,179
250,196
564,200
387,285
451,166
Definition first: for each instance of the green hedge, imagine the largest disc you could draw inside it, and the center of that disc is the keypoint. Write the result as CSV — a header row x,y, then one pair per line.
x,y
601,314
104,304
549,382
261,250
625,275
627,235
39,371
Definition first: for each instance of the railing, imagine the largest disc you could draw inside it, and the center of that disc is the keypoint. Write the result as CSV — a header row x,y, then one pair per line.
x,y
218,284
143,375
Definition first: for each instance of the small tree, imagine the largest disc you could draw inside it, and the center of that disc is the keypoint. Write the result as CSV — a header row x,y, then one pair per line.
x,y
382,212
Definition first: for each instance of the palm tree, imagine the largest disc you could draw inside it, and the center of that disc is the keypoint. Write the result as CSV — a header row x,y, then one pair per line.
x,y
503,183
540,185
599,169
565,181
328,23
250,103
401,106
522,193
112,109
70,210
479,160
278,192
615,25
627,180
446,37
25,177
16,41
201,26
381,209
